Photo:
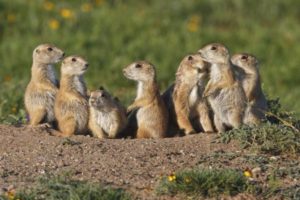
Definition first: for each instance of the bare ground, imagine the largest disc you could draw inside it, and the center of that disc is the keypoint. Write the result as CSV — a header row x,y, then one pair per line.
x,y
135,165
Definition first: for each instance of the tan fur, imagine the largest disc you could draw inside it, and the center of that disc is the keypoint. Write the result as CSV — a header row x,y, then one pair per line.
x,y
224,92
249,76
151,114
107,116
187,107
41,91
71,105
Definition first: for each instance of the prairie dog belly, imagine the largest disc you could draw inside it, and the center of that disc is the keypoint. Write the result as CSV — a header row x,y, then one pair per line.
x,y
193,97
226,101
41,100
149,117
105,121
77,110
145,114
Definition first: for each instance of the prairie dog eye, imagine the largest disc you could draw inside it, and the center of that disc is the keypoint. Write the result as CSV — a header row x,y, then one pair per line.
x,y
49,49
244,57
74,60
138,66
213,48
102,95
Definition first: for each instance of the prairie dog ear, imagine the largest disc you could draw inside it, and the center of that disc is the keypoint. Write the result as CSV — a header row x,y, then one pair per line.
x,y
37,51
101,88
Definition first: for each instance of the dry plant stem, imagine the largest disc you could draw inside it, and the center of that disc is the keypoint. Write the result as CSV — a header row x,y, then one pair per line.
x,y
286,123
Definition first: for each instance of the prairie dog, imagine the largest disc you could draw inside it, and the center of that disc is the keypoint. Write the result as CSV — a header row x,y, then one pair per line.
x,y
71,104
151,112
107,117
184,98
250,79
41,91
224,92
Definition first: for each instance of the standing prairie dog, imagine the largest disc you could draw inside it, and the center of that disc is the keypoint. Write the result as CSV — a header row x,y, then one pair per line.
x,y
224,92
151,114
107,116
41,91
185,99
71,105
250,79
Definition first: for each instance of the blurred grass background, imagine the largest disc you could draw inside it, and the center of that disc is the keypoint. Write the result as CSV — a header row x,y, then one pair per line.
x,y
113,33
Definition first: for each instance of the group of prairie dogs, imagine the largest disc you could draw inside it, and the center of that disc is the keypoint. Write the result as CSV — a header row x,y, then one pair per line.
x,y
212,92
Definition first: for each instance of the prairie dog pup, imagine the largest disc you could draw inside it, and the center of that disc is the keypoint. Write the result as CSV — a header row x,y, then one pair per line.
x,y
185,99
250,79
71,105
224,92
41,91
151,114
107,117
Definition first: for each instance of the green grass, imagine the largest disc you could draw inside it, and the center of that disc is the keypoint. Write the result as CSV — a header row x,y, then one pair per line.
x,y
279,134
64,188
115,33
214,182
204,182
266,138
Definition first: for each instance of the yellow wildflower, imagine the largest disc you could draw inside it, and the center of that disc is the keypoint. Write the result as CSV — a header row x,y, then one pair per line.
x,y
66,13
172,178
86,7
53,24
48,5
11,18
10,194
187,180
248,173
99,2
193,23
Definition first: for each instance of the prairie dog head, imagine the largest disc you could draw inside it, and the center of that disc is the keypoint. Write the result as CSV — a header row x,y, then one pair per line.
x,y
101,99
47,54
245,61
74,65
215,53
192,66
140,71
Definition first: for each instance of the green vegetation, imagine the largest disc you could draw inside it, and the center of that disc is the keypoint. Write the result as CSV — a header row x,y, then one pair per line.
x,y
216,182
279,134
64,188
204,182
275,178
267,138
112,34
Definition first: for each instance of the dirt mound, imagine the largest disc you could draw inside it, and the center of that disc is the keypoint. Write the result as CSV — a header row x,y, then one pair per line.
x,y
136,165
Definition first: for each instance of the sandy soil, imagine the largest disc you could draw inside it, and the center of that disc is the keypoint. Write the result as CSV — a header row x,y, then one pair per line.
x,y
136,165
